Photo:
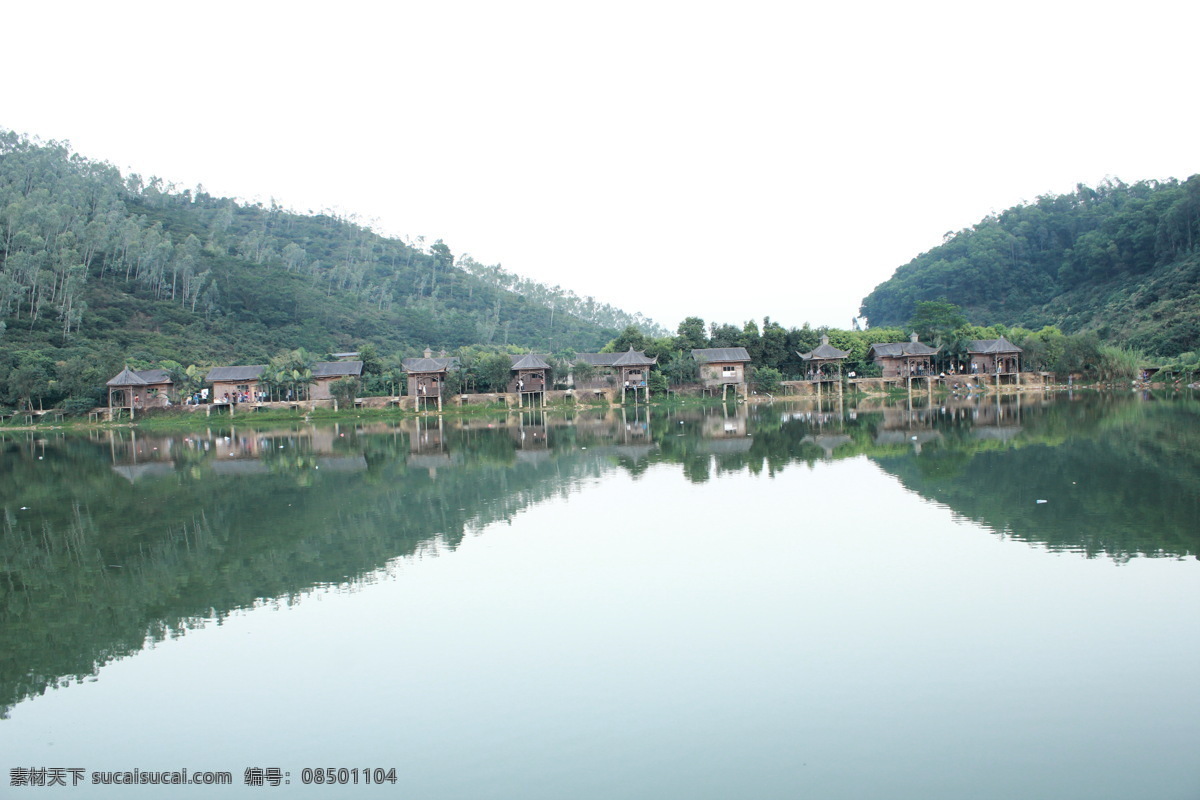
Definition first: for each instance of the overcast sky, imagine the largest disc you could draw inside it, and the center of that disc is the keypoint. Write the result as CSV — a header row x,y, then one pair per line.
x,y
731,161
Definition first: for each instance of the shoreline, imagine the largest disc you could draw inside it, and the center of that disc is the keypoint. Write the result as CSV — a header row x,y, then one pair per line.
x,y
166,419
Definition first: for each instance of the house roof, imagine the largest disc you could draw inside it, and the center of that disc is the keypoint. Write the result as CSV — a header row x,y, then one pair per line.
x,y
901,349
428,364
145,377
227,374
127,377
824,351
598,359
529,361
633,358
1000,345
337,369
716,355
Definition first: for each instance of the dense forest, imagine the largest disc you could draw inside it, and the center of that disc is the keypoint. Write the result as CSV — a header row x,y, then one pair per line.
x,y
98,269
1122,260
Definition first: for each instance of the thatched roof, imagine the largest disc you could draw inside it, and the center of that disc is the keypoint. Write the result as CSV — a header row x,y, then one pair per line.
x,y
902,349
144,377
721,355
413,365
824,352
337,369
633,358
1000,345
233,374
529,361
127,377
598,359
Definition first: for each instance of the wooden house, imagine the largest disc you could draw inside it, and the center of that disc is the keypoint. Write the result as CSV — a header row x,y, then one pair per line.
x,y
427,377
994,357
909,359
236,384
326,372
824,362
630,371
530,373
722,367
139,389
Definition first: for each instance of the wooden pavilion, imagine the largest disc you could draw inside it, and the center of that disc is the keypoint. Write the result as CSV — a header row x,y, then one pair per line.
x,y
910,359
629,370
633,368
427,377
996,357
137,390
824,362
530,374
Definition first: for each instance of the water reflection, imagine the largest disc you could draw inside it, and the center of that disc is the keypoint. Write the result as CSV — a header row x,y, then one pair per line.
x,y
118,537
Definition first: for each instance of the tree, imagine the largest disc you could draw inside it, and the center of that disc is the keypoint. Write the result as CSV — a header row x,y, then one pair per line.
x,y
630,337
767,379
752,341
582,372
493,372
30,381
935,320
344,390
774,344
691,335
680,368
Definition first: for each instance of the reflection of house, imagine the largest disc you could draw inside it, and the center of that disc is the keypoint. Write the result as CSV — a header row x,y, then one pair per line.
x,y
903,359
827,441
135,390
715,427
326,372
137,457
824,362
909,426
724,446
994,357
722,366
231,383
532,434
427,377
427,446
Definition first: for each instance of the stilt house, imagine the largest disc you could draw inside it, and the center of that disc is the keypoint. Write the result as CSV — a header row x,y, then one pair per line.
x,y
904,359
824,362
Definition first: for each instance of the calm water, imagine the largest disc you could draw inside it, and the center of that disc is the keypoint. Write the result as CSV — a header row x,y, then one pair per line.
x,y
987,599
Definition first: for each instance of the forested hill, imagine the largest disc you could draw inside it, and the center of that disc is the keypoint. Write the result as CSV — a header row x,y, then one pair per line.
x,y
1122,260
106,267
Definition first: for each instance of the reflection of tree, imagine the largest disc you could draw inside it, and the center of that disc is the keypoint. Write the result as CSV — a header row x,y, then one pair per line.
x,y
101,565
95,564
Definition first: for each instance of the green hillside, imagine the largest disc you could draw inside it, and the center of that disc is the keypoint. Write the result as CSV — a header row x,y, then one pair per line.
x,y
99,269
1122,260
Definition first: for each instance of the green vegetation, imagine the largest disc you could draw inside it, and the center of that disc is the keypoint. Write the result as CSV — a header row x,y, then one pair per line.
x,y
1120,260
99,270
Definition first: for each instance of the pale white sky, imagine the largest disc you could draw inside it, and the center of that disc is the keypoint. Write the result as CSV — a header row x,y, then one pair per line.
x,y
730,161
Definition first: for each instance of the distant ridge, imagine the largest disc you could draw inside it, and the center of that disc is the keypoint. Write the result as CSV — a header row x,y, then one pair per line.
x,y
100,266
1121,260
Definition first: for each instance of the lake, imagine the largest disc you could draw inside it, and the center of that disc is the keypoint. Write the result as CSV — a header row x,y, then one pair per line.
x,y
987,597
